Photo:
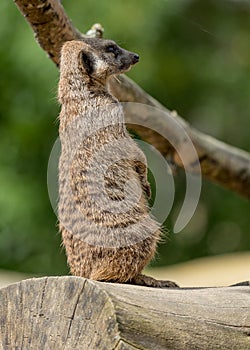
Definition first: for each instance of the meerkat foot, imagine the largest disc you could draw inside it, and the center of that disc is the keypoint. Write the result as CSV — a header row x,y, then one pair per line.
x,y
147,281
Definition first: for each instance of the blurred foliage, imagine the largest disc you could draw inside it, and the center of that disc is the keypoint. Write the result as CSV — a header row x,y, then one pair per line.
x,y
195,58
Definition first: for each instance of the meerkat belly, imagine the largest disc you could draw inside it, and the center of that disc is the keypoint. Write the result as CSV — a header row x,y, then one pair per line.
x,y
107,230
102,189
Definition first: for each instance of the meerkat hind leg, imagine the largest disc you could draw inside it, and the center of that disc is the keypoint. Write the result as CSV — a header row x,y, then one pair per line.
x,y
148,281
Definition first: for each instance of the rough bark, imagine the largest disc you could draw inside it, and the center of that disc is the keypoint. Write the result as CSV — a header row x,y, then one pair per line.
x,y
75,313
220,163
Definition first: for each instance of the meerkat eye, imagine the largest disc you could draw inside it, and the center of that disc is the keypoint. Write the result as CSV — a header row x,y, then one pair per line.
x,y
111,48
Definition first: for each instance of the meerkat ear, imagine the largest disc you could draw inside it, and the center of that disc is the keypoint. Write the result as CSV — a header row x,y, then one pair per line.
x,y
88,62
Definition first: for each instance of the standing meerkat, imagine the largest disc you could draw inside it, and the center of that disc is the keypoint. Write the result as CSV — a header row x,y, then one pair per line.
x,y
105,222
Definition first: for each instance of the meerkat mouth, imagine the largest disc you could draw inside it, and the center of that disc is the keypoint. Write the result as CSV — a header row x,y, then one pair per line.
x,y
126,67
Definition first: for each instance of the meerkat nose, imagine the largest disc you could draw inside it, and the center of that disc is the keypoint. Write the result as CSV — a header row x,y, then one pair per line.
x,y
136,58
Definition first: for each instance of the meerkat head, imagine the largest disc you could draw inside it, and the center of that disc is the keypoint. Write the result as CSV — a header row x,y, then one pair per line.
x,y
106,58
95,59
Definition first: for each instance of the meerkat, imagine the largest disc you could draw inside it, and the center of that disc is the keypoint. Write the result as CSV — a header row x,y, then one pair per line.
x,y
104,218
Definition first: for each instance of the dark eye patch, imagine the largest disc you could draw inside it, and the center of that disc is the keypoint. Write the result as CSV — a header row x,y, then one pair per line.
x,y
111,48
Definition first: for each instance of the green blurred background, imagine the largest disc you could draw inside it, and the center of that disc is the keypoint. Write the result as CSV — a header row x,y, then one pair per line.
x,y
195,58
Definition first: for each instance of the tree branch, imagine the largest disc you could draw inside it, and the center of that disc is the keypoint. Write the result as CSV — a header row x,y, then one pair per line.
x,y
220,163
50,24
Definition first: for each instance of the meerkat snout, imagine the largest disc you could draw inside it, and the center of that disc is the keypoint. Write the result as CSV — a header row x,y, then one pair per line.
x,y
136,58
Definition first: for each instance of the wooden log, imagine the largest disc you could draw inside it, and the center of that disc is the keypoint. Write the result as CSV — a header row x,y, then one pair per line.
x,y
76,313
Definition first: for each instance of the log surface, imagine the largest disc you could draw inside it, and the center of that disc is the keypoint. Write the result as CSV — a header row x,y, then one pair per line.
x,y
75,313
